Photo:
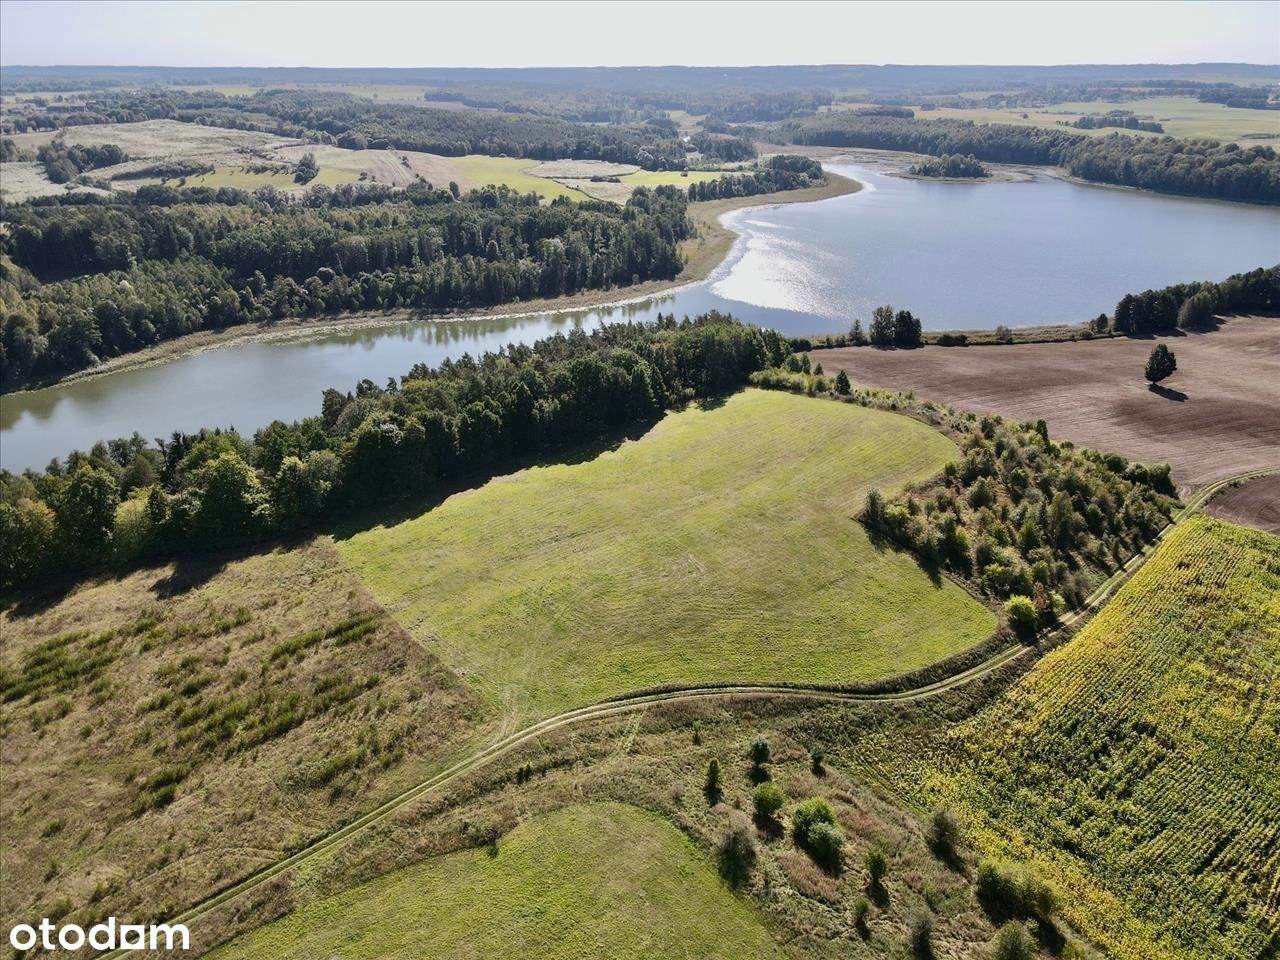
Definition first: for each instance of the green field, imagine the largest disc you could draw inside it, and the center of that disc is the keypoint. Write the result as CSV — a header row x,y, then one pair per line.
x,y
1136,767
719,547
657,178
1180,116
597,881
514,173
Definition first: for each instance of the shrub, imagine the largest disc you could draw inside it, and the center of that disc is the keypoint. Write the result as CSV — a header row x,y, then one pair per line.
x,y
816,756
1013,891
920,934
714,782
807,815
824,843
944,833
760,751
1021,611
877,866
861,910
767,800
843,386
1012,942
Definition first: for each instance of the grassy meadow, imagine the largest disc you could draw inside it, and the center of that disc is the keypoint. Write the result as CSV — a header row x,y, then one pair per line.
x,y
556,887
178,727
1135,767
719,547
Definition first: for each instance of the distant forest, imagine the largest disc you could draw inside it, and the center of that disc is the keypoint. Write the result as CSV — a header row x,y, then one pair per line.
x,y
1202,168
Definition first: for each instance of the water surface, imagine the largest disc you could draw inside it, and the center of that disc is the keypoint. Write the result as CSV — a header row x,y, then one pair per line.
x,y
958,255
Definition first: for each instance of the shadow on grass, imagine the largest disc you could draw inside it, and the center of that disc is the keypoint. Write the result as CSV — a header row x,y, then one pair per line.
x,y
350,523
884,544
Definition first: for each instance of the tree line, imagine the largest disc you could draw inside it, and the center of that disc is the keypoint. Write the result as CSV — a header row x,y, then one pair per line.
x,y
1124,119
951,165
1203,168
1184,306
63,163
86,281
1180,306
129,499
776,174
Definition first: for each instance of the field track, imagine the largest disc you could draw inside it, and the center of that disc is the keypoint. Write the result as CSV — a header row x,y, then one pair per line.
x,y
643,700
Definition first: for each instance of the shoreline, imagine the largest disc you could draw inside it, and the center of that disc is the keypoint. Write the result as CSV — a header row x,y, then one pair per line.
x,y
703,252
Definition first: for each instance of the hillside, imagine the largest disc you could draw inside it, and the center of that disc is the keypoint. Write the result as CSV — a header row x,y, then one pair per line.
x,y
1134,768
721,546
548,889
184,725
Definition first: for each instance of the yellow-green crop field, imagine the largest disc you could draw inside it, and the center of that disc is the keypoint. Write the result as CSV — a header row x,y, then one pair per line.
x,y
721,546
559,887
514,173
1136,767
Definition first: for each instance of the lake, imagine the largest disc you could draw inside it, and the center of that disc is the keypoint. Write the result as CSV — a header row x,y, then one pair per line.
x,y
957,255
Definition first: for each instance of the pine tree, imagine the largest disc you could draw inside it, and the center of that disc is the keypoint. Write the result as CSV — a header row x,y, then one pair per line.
x,y
1161,364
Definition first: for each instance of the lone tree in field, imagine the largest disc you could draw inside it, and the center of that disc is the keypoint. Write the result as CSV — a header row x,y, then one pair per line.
x,y
1161,363
843,386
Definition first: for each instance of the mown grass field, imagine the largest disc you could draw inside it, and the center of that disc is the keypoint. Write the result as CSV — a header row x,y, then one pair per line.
x,y
590,881
514,173
1136,767
719,547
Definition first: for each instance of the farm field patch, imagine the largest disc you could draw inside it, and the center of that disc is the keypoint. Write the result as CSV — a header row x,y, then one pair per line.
x,y
1254,503
721,546
1134,768
552,888
1216,419
1180,116
246,179
515,173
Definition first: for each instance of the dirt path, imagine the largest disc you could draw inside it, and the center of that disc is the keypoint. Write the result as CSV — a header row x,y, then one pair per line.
x,y
1218,416
643,701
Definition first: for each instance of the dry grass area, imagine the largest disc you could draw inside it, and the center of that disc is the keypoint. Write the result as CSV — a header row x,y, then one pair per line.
x,y
161,139
169,731
26,181
654,761
1218,416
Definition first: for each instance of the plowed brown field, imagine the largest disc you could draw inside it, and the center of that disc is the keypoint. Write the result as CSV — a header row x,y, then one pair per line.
x,y
1219,415
1255,503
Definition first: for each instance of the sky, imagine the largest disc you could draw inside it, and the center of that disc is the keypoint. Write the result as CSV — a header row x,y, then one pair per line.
x,y
330,33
